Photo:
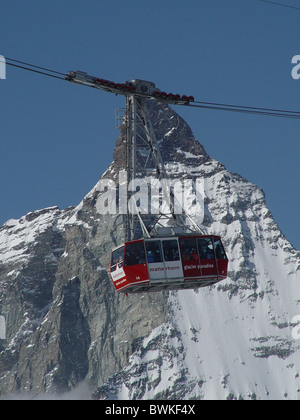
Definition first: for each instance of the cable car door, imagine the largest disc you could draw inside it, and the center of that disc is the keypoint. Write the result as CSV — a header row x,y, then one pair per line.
x,y
173,266
116,269
135,265
155,261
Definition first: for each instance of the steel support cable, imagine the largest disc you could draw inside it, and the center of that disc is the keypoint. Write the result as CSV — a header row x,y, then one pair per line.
x,y
279,113
35,71
280,4
34,66
254,108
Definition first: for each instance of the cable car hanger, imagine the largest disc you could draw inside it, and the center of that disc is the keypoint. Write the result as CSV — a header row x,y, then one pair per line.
x,y
161,252
154,258
187,101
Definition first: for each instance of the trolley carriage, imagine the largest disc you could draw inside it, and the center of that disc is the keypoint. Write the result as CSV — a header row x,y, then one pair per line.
x,y
156,262
168,263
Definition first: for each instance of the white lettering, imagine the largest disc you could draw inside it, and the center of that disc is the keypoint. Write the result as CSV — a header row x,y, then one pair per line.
x,y
150,196
296,330
123,192
171,409
207,266
120,282
106,202
138,202
115,410
296,69
2,328
2,67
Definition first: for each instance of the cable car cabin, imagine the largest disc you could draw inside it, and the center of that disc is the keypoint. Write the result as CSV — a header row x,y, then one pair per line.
x,y
168,263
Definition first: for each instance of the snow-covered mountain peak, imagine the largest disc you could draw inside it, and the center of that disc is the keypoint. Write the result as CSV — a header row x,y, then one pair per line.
x,y
66,324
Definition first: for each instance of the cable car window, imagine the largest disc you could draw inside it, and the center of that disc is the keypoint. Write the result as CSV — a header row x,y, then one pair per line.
x,y
205,247
170,248
219,250
189,249
153,251
134,253
117,258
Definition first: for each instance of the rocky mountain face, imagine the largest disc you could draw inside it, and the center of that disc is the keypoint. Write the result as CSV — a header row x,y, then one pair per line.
x,y
66,325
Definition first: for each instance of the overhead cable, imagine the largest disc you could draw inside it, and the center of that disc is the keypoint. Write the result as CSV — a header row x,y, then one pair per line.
x,y
280,4
33,68
246,109
195,104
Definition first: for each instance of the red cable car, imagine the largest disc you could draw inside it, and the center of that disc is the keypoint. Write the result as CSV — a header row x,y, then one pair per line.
x,y
168,263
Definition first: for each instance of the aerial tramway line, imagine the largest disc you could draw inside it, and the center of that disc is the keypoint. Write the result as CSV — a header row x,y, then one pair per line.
x,y
156,255
160,252
163,251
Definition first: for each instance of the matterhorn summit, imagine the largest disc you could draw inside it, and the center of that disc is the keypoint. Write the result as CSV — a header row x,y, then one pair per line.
x,y
66,327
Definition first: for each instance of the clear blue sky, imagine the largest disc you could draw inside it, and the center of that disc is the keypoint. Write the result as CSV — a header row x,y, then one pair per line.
x,y
57,138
